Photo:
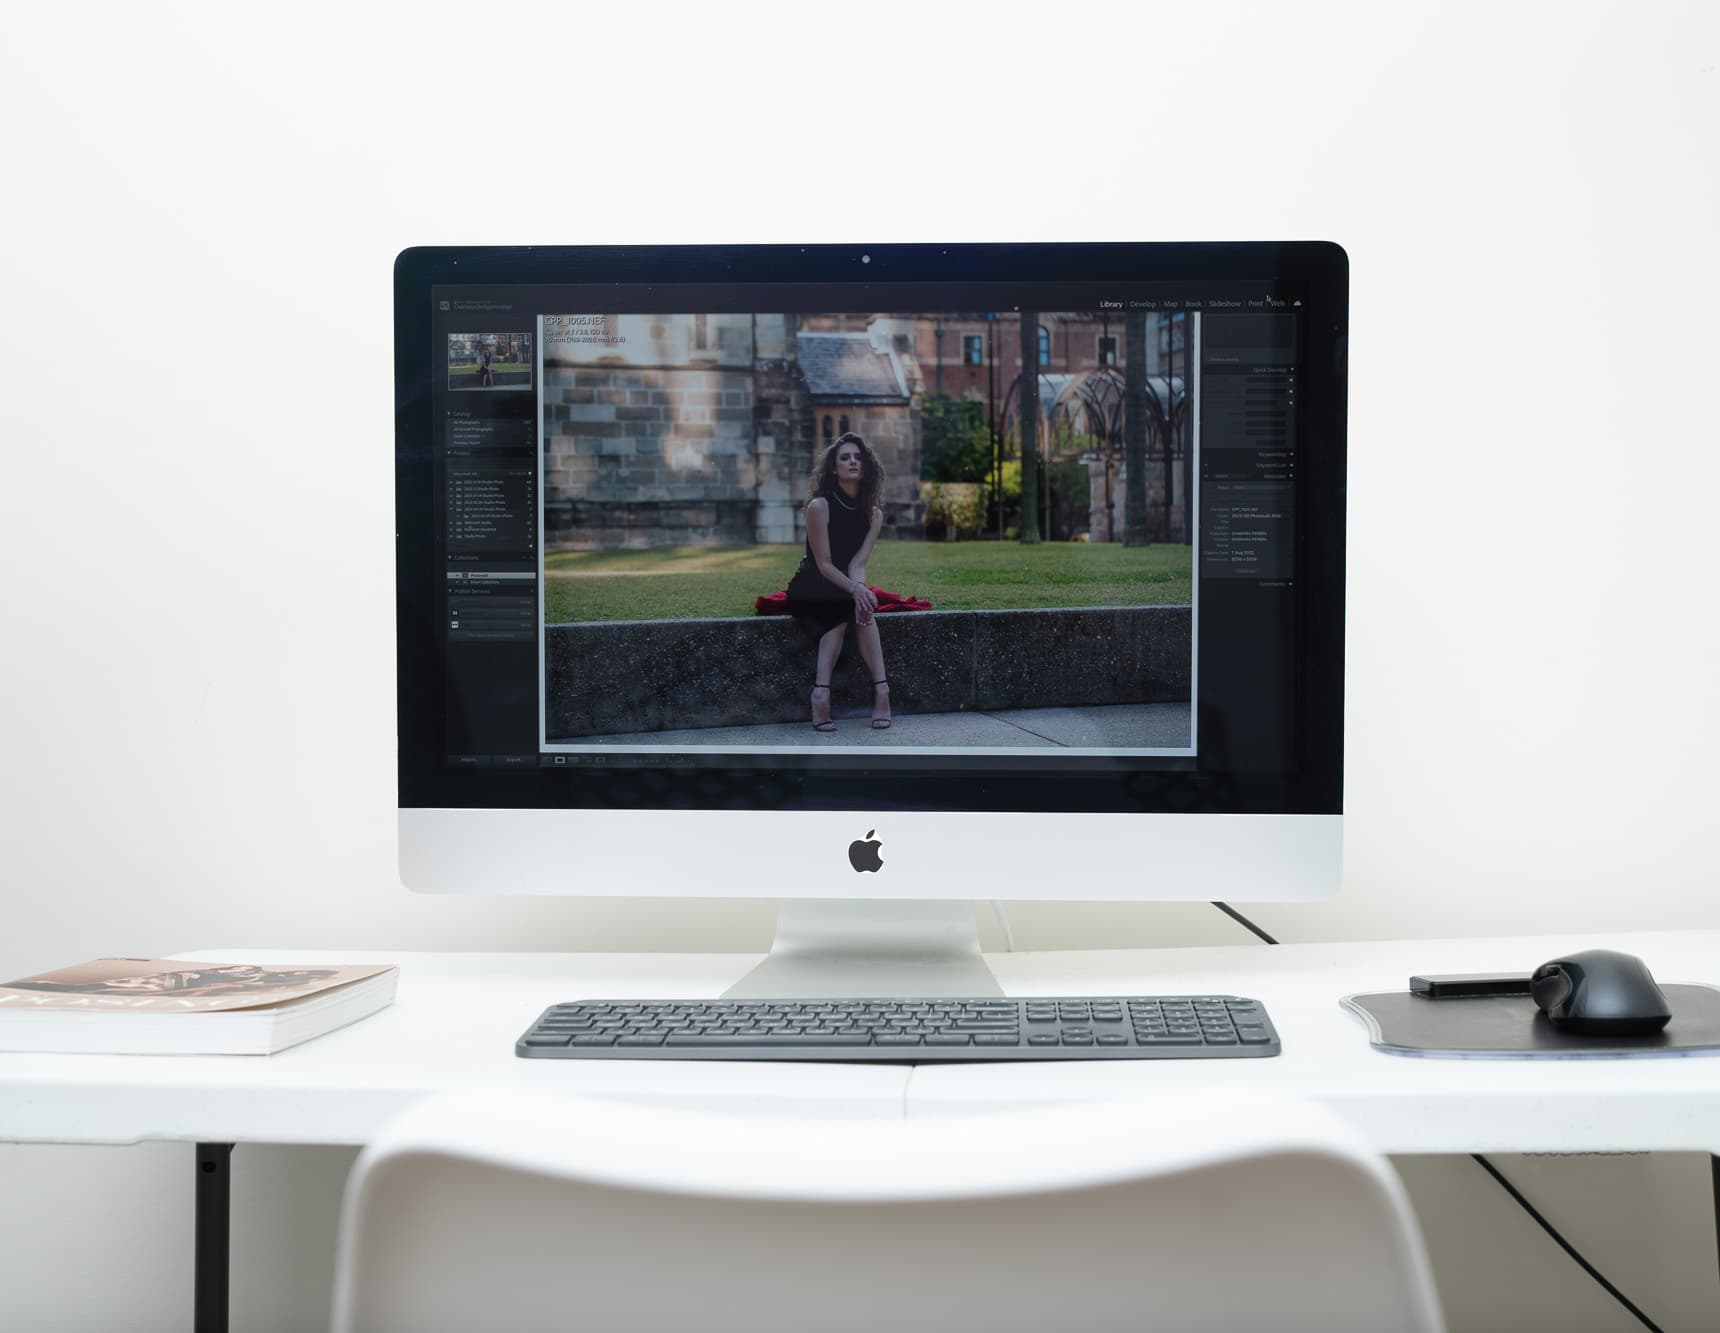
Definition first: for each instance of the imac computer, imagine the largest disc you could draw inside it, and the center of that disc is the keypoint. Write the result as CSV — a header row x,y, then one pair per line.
x,y
877,579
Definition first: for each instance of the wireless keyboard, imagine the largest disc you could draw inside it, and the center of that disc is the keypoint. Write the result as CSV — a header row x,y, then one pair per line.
x,y
905,1031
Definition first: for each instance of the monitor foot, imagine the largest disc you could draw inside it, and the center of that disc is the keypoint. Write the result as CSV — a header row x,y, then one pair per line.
x,y
860,948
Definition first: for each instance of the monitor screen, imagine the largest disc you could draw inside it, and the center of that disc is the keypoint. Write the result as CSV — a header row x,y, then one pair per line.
x,y
667,518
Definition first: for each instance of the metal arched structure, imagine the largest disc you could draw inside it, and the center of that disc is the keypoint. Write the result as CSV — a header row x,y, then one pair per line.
x,y
1094,404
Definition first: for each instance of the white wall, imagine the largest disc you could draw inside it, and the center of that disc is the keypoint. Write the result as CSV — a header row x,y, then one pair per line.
x,y
198,212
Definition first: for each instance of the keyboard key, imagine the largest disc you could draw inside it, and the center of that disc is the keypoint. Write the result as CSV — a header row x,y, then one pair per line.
x,y
948,1039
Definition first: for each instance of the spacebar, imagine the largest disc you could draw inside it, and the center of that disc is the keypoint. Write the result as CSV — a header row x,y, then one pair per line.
x,y
775,1039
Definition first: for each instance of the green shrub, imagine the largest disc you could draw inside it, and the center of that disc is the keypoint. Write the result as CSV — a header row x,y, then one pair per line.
x,y
953,508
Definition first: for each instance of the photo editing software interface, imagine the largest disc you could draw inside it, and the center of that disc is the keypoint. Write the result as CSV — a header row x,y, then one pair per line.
x,y
1058,520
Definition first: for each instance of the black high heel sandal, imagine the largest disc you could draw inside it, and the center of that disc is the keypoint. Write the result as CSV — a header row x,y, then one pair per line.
x,y
878,723
829,724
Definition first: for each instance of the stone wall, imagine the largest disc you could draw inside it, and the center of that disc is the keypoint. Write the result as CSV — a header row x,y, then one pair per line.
x,y
660,675
649,457
1106,513
782,423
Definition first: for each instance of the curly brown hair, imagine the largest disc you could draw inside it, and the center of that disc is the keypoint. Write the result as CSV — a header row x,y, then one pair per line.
x,y
871,473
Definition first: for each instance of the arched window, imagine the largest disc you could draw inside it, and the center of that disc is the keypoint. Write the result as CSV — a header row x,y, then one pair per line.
x,y
844,425
1044,345
829,432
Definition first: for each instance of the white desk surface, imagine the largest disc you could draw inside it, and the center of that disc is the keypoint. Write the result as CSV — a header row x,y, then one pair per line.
x,y
455,1020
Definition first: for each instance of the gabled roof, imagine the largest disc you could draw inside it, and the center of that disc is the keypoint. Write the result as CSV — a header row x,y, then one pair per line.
x,y
847,366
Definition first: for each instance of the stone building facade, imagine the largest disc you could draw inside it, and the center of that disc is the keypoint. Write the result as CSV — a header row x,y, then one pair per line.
x,y
672,430
695,430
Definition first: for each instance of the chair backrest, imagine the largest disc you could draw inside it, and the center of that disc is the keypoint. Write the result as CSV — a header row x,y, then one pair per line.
x,y
1222,1212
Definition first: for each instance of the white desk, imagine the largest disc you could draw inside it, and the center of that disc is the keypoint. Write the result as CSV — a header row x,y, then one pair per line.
x,y
452,1025
1402,1104
457,1016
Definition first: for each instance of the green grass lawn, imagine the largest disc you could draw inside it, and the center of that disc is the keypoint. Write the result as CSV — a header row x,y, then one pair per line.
x,y
496,366
698,581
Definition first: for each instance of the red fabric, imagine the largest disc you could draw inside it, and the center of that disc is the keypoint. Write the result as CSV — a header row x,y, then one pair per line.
x,y
776,603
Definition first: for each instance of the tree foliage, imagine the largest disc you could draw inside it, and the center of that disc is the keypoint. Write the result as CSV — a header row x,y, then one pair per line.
x,y
954,442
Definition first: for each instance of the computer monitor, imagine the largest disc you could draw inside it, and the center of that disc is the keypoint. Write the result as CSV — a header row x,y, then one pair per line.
x,y
667,515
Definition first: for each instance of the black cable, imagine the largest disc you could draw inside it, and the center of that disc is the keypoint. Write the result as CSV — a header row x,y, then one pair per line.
x,y
1528,1207
1564,1244
1235,915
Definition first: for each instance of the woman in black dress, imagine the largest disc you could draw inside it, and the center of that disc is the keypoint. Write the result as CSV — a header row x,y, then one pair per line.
x,y
828,592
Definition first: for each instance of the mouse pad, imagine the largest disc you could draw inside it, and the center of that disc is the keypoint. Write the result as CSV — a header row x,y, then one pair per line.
x,y
1511,1027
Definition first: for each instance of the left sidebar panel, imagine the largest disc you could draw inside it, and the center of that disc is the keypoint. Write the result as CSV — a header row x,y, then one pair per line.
x,y
489,538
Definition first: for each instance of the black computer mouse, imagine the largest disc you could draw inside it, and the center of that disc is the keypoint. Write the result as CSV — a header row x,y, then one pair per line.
x,y
1600,993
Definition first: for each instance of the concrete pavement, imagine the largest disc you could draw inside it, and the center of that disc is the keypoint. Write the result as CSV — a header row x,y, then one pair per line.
x,y
1118,726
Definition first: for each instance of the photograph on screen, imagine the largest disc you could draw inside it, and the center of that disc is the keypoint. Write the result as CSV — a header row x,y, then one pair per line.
x,y
795,532
489,360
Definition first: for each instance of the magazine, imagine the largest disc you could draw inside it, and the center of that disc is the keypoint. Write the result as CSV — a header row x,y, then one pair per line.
x,y
164,1006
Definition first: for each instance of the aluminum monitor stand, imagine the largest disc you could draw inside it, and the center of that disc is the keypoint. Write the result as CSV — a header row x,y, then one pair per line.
x,y
853,948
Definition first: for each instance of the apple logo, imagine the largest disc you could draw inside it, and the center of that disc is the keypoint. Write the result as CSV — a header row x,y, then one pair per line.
x,y
864,855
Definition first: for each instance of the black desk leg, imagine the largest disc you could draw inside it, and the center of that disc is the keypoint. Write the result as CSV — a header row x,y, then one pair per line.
x,y
214,1204
1714,1180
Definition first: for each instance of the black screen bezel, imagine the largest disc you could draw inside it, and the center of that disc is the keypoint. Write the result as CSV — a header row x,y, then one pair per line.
x,y
1313,786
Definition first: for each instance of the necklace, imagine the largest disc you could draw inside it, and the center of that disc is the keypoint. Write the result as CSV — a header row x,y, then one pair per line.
x,y
836,495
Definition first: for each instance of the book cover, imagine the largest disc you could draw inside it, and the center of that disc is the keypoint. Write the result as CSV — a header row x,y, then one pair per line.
x,y
169,986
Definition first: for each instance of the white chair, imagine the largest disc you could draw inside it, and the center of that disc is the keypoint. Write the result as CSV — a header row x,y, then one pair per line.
x,y
476,1213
